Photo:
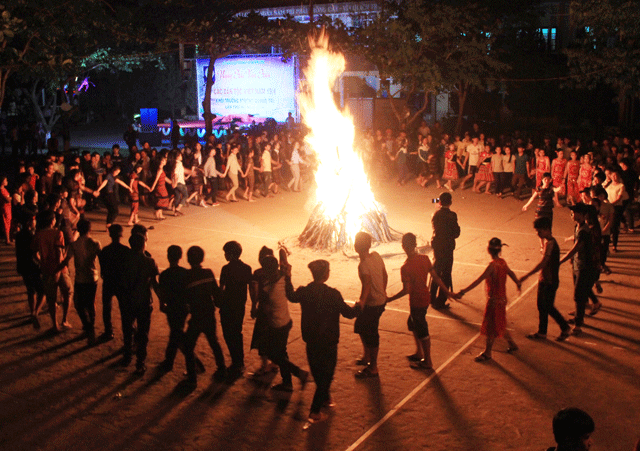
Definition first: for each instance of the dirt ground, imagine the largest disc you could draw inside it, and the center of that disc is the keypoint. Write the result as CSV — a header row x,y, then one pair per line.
x,y
57,394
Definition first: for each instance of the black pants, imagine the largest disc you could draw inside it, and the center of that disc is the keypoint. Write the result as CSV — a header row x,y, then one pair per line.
x,y
84,299
546,308
176,321
582,283
231,320
140,313
213,183
322,359
111,203
201,324
108,292
443,265
277,352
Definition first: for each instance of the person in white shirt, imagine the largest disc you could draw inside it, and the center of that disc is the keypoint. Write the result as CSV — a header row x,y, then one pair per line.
x,y
232,170
473,155
294,164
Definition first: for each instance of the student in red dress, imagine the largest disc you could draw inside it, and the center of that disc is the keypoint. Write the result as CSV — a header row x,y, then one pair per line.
x,y
450,167
558,169
585,178
494,323
572,172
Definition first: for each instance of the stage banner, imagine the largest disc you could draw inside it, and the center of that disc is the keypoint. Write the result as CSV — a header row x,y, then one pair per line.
x,y
261,85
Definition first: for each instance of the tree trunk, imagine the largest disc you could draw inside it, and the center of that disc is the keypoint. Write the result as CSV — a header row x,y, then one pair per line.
x,y
47,124
206,103
462,99
4,76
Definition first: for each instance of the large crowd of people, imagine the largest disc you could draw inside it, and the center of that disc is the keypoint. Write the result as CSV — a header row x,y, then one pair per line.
x,y
44,215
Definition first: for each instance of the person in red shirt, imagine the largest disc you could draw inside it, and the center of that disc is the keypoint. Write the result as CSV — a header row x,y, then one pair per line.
x,y
49,251
414,274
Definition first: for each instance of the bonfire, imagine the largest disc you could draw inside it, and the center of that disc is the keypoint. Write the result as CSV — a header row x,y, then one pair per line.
x,y
345,203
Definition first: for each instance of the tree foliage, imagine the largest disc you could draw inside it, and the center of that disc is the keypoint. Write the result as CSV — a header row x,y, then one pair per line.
x,y
430,47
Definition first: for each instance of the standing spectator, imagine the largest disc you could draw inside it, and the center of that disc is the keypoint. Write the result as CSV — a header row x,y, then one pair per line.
x,y
321,308
494,322
85,252
110,199
235,277
5,204
509,165
630,181
520,172
548,282
572,172
617,195
373,297
111,259
547,198
451,173
294,164
473,160
414,273
444,223
497,167
140,274
558,170
201,293
28,269
48,247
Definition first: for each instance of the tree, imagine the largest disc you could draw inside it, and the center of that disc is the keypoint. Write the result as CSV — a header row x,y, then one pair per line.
x,y
607,47
48,43
437,46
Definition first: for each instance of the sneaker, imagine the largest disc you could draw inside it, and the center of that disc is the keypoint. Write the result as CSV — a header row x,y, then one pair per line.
x,y
576,331
564,335
421,365
317,417
537,336
35,322
215,204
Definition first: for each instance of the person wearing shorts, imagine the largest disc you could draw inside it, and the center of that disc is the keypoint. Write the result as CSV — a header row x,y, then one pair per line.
x,y
414,274
373,296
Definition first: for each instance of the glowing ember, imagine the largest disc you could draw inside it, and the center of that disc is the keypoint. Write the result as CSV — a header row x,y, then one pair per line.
x,y
346,204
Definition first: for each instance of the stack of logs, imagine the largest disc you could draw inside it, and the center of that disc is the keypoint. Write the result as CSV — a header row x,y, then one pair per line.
x,y
323,233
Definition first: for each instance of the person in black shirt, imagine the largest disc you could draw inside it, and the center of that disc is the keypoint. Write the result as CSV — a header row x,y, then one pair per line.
x,y
445,231
172,285
28,268
548,283
111,258
321,308
234,280
584,263
201,293
140,275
